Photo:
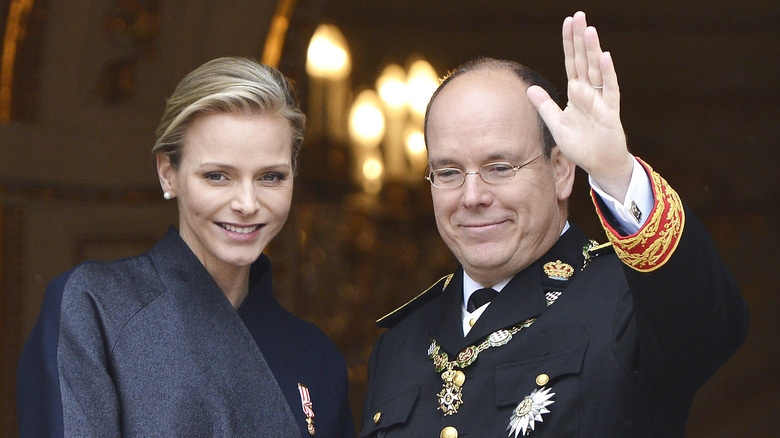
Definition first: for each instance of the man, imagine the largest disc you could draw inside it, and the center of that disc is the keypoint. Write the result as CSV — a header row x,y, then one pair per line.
x,y
580,339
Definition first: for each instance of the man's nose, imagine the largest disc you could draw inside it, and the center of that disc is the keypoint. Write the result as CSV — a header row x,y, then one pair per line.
x,y
475,190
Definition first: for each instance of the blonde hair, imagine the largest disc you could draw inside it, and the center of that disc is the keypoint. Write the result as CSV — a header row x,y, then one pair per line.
x,y
228,85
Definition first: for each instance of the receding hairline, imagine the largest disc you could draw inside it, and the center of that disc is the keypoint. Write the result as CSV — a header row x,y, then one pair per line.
x,y
525,76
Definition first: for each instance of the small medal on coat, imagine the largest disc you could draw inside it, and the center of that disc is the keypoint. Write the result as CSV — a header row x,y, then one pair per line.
x,y
308,409
450,398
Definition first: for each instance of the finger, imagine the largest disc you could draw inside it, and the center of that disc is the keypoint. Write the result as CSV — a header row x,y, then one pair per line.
x,y
568,49
547,108
580,52
611,90
594,52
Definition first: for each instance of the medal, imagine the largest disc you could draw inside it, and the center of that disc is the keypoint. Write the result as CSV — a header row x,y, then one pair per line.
x,y
307,406
529,411
451,396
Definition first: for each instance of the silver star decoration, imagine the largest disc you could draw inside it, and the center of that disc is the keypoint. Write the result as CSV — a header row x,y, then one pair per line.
x,y
529,411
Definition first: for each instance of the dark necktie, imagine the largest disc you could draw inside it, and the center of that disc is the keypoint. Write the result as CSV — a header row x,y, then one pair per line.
x,y
479,298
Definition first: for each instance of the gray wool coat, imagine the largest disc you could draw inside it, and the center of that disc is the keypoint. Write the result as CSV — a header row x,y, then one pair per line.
x,y
150,346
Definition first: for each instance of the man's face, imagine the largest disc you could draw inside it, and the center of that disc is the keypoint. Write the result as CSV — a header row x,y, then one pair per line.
x,y
495,230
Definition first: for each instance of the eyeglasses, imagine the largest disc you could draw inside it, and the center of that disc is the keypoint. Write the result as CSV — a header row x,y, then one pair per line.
x,y
491,173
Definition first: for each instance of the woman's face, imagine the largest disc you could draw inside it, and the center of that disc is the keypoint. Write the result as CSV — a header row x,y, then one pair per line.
x,y
234,186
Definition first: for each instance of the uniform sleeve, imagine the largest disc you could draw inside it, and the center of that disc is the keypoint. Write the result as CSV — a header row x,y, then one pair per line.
x,y
690,314
631,212
64,386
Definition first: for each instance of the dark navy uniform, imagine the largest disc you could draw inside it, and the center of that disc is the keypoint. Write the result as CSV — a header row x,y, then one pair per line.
x,y
619,352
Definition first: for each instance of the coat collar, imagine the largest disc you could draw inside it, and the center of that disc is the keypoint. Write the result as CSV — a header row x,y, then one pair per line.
x,y
522,298
261,297
181,270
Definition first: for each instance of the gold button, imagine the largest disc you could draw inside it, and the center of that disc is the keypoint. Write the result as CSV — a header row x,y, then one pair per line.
x,y
449,432
377,417
472,321
542,379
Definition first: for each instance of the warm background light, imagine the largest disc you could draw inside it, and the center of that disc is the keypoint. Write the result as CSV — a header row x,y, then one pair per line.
x,y
383,125
328,55
366,120
422,82
392,88
415,143
372,169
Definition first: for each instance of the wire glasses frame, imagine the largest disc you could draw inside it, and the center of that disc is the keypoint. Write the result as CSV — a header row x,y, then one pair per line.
x,y
491,173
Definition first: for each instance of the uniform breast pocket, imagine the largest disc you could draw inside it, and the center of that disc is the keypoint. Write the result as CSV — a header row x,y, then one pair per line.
x,y
526,387
390,413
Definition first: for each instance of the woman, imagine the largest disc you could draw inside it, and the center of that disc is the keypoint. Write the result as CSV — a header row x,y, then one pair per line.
x,y
187,339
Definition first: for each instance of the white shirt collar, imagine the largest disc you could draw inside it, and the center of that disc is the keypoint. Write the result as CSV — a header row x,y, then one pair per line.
x,y
470,285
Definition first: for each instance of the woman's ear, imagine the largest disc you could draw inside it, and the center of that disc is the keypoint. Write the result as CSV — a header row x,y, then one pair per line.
x,y
167,175
564,174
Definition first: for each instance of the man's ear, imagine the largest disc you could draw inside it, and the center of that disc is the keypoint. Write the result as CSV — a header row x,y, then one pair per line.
x,y
564,174
166,173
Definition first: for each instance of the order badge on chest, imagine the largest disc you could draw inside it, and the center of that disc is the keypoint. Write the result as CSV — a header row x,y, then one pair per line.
x,y
451,396
530,409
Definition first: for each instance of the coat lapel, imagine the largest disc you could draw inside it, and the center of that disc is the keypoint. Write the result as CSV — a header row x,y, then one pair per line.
x,y
447,327
212,320
522,298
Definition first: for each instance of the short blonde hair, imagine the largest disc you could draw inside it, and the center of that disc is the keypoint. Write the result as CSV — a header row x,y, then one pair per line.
x,y
228,85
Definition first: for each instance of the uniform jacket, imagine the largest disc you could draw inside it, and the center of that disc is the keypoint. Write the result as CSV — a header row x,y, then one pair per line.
x,y
150,346
622,351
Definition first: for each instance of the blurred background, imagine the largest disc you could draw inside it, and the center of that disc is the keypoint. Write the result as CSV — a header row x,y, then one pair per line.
x,y
83,84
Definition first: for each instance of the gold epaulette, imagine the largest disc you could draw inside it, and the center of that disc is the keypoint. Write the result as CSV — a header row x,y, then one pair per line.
x,y
653,245
597,249
594,249
400,313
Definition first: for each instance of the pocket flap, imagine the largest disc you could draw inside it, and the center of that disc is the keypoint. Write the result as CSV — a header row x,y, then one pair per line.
x,y
515,381
391,412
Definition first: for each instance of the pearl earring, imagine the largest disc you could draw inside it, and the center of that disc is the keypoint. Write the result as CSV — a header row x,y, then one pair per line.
x,y
167,196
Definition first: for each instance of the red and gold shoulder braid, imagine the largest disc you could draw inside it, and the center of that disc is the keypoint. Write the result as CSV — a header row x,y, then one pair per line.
x,y
653,245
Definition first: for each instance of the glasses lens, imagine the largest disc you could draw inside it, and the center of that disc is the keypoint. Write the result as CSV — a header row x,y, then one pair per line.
x,y
447,177
497,172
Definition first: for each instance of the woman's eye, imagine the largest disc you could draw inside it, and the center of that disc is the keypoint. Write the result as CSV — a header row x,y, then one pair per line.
x,y
273,178
215,176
